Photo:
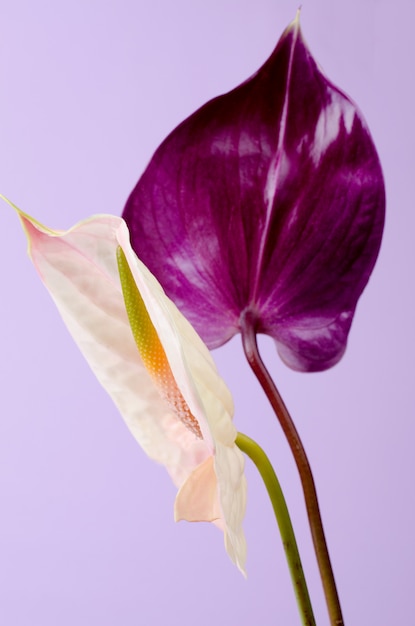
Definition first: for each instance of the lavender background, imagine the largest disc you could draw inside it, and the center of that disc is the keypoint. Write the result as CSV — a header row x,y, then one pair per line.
x,y
88,89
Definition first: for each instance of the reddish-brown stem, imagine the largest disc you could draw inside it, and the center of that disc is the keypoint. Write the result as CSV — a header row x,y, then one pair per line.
x,y
250,346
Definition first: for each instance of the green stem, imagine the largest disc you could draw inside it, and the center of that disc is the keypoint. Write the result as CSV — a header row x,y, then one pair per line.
x,y
248,330
260,459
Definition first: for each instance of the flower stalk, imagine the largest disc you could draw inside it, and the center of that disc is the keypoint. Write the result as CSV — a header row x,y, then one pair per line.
x,y
250,346
263,464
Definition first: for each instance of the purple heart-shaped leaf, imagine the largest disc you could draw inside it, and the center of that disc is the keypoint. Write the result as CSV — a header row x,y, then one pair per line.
x,y
268,200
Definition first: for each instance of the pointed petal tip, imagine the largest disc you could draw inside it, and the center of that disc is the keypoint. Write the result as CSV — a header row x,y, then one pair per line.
x,y
293,26
296,21
29,225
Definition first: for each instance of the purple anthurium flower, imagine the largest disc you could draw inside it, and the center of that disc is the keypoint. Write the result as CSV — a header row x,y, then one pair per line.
x,y
267,200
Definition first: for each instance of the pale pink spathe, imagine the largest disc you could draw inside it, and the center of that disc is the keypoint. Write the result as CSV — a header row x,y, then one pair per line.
x,y
80,271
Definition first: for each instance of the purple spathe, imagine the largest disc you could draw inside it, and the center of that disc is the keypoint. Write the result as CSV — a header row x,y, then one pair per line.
x,y
269,199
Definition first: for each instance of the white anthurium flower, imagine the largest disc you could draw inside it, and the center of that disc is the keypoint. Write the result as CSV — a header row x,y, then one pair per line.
x,y
152,363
